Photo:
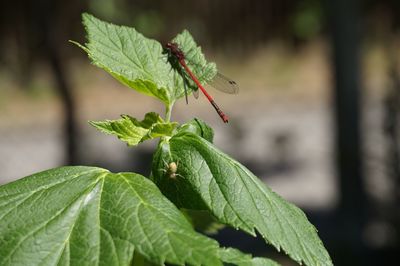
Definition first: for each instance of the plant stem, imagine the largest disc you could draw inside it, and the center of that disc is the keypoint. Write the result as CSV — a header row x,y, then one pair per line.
x,y
168,111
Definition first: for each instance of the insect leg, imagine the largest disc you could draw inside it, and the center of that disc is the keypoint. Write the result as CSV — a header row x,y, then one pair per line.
x,y
182,73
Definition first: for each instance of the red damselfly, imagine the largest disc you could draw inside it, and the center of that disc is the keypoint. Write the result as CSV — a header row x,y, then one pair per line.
x,y
220,82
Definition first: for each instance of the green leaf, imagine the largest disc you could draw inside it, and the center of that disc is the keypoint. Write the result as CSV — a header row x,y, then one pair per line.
x,y
139,62
236,257
133,132
210,180
198,127
178,190
203,221
89,216
205,72
129,57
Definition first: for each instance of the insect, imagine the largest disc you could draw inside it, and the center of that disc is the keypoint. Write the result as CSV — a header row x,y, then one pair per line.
x,y
222,83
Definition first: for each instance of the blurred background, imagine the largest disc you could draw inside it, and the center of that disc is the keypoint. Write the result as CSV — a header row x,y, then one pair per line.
x,y
317,116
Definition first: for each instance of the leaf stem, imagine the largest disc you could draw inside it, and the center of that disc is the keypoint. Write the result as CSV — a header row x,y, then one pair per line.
x,y
168,111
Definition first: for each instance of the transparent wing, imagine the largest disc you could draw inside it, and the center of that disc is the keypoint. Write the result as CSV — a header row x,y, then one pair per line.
x,y
221,82
224,84
196,94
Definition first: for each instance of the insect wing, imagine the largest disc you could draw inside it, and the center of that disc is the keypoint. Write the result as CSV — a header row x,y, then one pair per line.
x,y
221,82
196,93
224,84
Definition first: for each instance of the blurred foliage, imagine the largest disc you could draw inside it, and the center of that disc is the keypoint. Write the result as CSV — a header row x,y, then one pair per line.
x,y
308,19
28,29
146,19
105,8
150,23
